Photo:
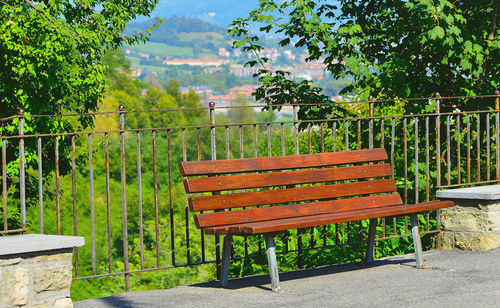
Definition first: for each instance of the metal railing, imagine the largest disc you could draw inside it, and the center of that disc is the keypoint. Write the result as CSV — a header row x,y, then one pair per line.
x,y
121,188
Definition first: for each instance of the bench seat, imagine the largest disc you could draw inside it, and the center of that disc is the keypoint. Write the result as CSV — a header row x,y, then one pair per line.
x,y
267,195
326,219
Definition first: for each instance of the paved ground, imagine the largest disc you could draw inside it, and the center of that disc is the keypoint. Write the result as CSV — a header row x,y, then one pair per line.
x,y
452,279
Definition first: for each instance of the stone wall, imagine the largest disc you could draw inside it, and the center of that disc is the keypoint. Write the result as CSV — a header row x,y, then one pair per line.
x,y
40,279
471,225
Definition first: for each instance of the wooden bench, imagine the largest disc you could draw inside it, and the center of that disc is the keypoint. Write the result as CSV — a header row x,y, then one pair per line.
x,y
346,186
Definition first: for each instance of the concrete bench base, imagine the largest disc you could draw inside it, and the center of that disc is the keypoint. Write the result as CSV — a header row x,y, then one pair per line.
x,y
33,276
474,222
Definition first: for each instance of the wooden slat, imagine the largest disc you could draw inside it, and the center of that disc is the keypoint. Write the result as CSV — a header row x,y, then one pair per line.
x,y
226,201
294,210
210,167
318,220
246,181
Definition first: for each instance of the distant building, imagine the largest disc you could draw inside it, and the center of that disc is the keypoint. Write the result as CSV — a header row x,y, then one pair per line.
x,y
143,55
200,90
196,62
223,52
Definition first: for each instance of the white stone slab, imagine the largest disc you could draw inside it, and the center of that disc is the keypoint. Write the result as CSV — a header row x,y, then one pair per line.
x,y
16,244
490,192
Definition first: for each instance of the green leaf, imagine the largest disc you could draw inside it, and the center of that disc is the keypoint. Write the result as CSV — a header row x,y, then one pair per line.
x,y
436,33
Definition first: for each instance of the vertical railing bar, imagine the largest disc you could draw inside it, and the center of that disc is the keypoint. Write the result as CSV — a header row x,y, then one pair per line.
x,y
478,149
269,146
213,150
283,153
382,133
359,134
92,210
155,200
296,152
468,147
256,154
459,169
73,190
186,206
242,155
497,130
415,120
108,204
40,184
427,160
228,156
334,136
448,151
438,140
405,131
382,145
309,138
393,137
309,148
228,153
202,234
4,184
171,197
139,196
497,142
58,205
322,135
488,160
346,137
427,163
283,150
124,198
22,172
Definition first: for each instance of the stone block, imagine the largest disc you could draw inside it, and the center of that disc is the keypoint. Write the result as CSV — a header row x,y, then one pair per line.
x,y
476,240
63,303
17,286
447,240
53,273
460,218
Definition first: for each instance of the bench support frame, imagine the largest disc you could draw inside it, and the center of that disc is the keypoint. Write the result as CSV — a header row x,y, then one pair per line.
x,y
226,257
271,261
417,243
370,242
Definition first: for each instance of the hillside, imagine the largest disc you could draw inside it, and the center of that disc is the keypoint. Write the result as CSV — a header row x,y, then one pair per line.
x,y
220,12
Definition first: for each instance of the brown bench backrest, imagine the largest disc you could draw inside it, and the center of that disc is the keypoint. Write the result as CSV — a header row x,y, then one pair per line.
x,y
365,181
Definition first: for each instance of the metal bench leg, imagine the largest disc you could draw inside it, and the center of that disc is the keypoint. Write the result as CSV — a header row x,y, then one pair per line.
x,y
417,243
271,261
226,256
370,243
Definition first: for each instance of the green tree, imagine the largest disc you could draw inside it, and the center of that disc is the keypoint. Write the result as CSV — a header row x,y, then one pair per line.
x,y
51,52
51,62
390,49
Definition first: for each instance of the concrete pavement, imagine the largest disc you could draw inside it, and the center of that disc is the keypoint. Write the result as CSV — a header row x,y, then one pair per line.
x,y
451,279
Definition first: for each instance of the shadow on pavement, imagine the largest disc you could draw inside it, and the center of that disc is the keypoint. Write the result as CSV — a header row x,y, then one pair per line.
x,y
260,281
115,301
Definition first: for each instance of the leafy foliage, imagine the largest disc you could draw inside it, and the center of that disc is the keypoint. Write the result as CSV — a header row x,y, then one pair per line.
x,y
390,49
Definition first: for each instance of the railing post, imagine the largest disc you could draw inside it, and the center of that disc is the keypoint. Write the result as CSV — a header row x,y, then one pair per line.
x,y
438,163
124,198
497,129
213,149
297,152
438,138
22,175
370,123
